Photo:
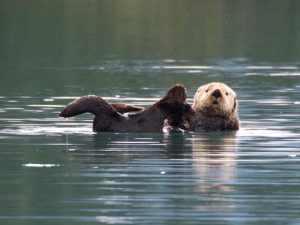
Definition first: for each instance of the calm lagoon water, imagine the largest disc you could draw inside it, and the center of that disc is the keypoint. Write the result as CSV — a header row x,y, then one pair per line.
x,y
56,171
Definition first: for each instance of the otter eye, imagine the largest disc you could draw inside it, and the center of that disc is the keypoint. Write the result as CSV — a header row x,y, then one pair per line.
x,y
206,90
226,93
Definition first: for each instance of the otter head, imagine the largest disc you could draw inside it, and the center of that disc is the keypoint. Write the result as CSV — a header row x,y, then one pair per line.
x,y
215,99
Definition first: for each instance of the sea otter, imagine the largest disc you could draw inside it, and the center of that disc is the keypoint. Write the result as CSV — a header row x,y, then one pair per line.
x,y
109,117
214,108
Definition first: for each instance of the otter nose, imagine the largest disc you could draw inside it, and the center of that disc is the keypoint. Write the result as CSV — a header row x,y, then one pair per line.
x,y
216,93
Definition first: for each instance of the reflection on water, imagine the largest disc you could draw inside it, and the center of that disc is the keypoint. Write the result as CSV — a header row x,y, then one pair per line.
x,y
215,161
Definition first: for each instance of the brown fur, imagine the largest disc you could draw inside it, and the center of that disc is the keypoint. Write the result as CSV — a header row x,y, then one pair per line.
x,y
214,108
107,118
124,108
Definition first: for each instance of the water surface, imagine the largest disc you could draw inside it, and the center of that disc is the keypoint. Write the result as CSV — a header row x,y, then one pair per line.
x,y
56,171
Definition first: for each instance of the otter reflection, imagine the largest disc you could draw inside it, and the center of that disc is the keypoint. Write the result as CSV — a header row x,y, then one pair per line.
x,y
115,148
214,160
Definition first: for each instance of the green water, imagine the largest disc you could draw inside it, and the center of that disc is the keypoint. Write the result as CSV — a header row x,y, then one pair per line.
x,y
56,171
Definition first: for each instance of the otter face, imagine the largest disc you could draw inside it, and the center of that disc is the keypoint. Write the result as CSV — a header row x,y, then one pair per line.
x,y
215,99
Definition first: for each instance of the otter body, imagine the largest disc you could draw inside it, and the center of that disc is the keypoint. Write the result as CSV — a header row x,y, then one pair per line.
x,y
109,117
201,122
138,122
214,108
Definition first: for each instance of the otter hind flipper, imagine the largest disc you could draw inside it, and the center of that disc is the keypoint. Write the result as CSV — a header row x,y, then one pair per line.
x,y
174,96
105,114
91,104
173,103
125,108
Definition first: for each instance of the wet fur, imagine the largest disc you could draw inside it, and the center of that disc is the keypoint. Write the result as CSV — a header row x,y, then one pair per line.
x,y
107,118
124,108
214,108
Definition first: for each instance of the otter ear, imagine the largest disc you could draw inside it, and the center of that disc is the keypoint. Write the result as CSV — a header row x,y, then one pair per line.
x,y
201,89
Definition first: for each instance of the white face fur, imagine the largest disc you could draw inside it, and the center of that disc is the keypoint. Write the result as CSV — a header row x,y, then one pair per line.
x,y
215,99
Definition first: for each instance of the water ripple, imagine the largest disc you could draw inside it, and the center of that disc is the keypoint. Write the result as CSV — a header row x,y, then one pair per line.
x,y
251,175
